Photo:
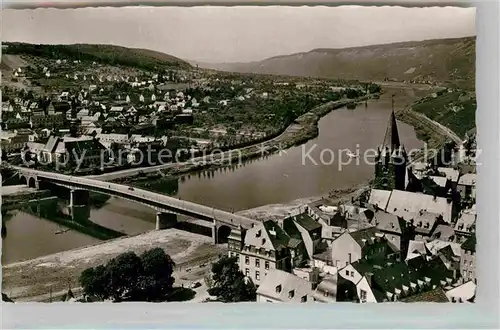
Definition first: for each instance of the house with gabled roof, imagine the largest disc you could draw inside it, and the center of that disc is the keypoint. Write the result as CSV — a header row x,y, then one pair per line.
x,y
368,243
444,232
395,281
305,229
326,291
467,185
463,293
67,151
280,286
395,229
436,295
466,224
265,247
468,259
116,109
406,204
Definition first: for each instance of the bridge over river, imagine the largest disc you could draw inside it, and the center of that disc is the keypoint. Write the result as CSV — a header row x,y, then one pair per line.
x,y
167,207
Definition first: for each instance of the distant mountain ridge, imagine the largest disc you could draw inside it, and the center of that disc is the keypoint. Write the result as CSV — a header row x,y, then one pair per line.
x,y
436,60
109,54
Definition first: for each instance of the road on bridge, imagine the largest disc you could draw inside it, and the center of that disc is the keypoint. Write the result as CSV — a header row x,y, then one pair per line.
x,y
146,197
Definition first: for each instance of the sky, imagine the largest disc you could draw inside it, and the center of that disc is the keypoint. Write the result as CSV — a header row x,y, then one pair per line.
x,y
236,34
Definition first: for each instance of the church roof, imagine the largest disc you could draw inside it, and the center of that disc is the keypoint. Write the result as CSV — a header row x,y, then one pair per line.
x,y
391,138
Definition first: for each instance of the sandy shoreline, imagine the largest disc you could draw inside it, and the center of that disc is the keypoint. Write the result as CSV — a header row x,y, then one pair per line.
x,y
27,280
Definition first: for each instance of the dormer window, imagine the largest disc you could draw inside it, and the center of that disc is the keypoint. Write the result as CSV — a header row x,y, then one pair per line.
x,y
259,232
278,288
426,225
291,293
263,241
303,299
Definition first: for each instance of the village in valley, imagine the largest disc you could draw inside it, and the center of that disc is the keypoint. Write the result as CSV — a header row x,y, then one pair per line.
x,y
49,103
72,114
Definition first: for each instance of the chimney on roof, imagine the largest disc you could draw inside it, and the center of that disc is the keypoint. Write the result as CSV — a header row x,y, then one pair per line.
x,y
272,231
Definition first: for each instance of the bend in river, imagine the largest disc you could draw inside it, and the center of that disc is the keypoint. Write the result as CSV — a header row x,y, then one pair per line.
x,y
279,178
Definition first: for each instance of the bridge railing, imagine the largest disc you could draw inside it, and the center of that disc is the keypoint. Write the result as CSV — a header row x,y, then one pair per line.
x,y
138,193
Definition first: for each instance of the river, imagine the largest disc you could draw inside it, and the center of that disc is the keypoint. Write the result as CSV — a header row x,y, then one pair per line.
x,y
279,178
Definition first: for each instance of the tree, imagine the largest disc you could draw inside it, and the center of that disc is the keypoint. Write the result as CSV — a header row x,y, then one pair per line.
x,y
124,272
129,277
229,283
95,282
156,281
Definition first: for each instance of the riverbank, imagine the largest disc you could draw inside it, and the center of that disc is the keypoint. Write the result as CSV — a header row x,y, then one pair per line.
x,y
302,130
431,132
33,280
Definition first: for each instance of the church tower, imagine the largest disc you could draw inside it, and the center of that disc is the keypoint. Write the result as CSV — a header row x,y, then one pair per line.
x,y
391,160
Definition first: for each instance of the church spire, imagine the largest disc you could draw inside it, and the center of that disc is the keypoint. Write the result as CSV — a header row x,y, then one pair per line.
x,y
391,138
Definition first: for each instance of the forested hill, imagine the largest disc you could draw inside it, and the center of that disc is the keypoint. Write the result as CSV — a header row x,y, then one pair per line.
x,y
440,60
106,54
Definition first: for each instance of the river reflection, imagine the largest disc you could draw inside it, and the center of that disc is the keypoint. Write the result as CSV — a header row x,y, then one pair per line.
x,y
273,179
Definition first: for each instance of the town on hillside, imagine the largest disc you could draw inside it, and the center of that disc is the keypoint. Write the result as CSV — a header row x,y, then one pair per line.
x,y
53,105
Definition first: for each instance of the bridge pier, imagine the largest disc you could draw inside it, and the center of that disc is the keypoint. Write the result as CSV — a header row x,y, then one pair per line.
x,y
165,220
79,204
214,232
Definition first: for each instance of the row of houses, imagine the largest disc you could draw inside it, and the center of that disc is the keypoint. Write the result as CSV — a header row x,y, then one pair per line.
x,y
290,260
395,245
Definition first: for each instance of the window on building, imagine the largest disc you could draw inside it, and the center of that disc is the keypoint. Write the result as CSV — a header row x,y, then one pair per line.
x,y
278,288
266,264
257,276
237,257
325,293
350,258
257,262
303,299
247,272
291,293
347,272
352,274
362,295
470,274
247,260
